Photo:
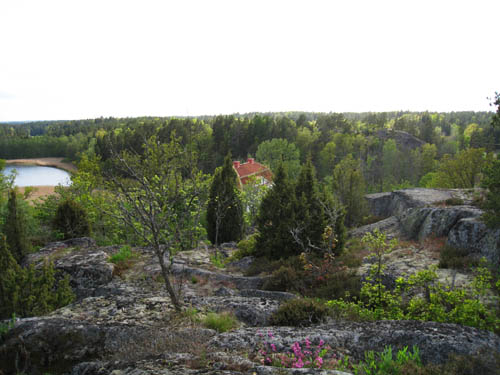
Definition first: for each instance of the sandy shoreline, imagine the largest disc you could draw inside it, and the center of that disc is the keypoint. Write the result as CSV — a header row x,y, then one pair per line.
x,y
38,192
44,162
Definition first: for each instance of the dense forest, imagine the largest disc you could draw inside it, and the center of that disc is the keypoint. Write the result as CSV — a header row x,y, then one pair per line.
x,y
388,158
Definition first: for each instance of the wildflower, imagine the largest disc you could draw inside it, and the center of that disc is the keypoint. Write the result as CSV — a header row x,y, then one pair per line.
x,y
273,347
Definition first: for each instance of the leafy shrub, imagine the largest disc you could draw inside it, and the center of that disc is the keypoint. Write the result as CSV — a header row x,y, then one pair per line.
x,y
455,258
431,301
221,322
299,312
246,247
71,220
217,259
384,363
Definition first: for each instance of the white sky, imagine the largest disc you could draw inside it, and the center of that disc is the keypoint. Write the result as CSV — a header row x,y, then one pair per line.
x,y
70,59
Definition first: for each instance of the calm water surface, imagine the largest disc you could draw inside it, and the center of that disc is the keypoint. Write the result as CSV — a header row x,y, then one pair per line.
x,y
34,175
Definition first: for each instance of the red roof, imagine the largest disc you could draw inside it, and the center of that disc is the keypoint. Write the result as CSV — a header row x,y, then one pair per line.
x,y
251,168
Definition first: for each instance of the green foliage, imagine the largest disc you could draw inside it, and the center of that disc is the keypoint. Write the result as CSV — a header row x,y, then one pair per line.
x,y
225,209
349,185
123,259
218,259
6,327
492,203
429,301
276,219
253,191
463,170
15,229
276,152
28,291
299,313
71,220
246,247
384,363
221,322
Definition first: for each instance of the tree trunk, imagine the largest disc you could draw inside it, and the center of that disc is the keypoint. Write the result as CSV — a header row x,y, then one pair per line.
x,y
165,271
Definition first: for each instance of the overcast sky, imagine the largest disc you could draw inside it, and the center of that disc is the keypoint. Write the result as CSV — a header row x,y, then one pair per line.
x,y
71,59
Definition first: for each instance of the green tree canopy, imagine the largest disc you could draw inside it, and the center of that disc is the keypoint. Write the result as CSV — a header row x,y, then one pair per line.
x,y
349,185
279,151
224,210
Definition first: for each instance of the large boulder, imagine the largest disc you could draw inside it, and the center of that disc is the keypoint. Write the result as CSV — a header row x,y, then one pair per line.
x,y
56,345
420,223
87,266
436,341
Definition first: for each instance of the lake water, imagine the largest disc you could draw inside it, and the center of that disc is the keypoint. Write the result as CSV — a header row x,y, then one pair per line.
x,y
34,175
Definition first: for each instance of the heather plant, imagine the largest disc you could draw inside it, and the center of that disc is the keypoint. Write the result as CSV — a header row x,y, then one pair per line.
x,y
301,355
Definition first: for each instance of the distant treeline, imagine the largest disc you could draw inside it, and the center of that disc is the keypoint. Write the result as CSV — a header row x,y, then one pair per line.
x,y
326,139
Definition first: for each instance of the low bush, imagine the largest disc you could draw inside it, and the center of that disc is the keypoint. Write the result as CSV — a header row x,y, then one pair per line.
x,y
285,278
71,220
455,258
454,201
299,312
221,322
246,247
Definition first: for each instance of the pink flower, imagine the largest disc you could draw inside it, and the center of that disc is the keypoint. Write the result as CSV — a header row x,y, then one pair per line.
x,y
273,347
299,363
270,334
321,343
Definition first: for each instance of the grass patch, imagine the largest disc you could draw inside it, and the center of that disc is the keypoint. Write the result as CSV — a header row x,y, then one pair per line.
x,y
123,259
221,322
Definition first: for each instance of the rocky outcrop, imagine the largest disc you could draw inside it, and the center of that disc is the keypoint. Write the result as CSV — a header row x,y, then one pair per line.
x,y
420,213
436,341
404,140
240,282
87,265
420,223
57,345
472,234
397,202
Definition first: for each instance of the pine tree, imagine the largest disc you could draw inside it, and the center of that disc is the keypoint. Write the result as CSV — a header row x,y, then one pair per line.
x,y
492,180
8,285
14,229
29,291
225,210
71,220
276,219
309,213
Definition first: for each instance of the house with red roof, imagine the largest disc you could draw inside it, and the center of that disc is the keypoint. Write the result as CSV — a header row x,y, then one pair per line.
x,y
252,169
